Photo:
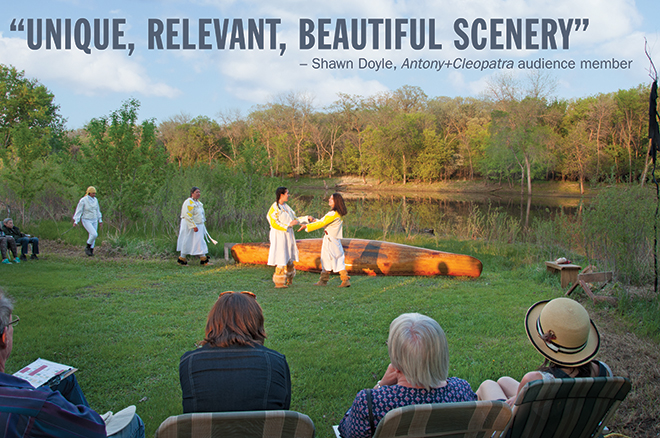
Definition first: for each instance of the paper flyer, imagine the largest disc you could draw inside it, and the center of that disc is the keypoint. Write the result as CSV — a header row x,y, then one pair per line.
x,y
210,57
41,371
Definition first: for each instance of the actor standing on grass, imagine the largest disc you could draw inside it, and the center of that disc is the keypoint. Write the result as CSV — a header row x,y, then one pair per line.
x,y
332,252
192,230
283,250
89,213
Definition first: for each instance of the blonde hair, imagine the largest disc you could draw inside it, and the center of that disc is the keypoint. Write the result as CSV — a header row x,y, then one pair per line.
x,y
418,348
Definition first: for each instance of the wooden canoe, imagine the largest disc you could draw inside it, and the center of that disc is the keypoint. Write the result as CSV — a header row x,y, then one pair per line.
x,y
370,257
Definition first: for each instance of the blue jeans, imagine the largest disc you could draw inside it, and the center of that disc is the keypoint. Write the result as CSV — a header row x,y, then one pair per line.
x,y
25,241
135,429
70,390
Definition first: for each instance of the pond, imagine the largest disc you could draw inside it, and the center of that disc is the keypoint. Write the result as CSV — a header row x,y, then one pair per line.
x,y
432,211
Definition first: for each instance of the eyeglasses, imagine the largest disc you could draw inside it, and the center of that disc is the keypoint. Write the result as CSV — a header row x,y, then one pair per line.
x,y
244,292
12,322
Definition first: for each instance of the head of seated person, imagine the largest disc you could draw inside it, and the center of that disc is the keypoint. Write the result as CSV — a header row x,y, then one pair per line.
x,y
417,374
235,319
418,350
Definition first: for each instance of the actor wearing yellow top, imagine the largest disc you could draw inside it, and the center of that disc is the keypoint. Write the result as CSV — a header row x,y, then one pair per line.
x,y
332,253
283,250
192,231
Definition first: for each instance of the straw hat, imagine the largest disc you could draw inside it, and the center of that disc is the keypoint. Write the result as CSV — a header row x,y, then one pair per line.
x,y
562,331
90,189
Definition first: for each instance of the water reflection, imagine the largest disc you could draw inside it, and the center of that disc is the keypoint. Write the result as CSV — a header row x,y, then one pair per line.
x,y
414,213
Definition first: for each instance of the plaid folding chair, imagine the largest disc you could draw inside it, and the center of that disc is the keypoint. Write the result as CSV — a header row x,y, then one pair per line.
x,y
456,420
567,408
247,424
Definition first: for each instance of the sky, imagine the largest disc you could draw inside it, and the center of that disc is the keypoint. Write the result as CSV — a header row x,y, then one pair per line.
x,y
224,58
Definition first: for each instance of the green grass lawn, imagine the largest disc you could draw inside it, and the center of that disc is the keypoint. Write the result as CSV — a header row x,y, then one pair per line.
x,y
124,323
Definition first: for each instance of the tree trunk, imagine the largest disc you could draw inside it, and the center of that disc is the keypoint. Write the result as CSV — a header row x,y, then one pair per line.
x,y
529,176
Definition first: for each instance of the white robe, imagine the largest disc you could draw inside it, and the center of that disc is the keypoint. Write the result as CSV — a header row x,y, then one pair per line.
x,y
189,241
283,247
332,252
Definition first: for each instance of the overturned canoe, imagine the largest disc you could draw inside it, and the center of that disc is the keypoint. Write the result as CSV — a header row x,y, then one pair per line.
x,y
370,257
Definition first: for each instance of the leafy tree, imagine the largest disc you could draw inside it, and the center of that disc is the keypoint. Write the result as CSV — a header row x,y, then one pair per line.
x,y
30,127
123,160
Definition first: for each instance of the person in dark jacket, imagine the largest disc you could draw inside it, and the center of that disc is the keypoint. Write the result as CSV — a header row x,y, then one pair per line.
x,y
8,242
232,370
21,239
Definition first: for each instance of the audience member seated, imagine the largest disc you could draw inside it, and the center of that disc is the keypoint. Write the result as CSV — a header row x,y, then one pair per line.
x,y
563,333
21,239
8,242
232,370
43,412
417,374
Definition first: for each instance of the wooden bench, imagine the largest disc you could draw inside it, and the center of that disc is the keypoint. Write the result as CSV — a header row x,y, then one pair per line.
x,y
568,271
588,276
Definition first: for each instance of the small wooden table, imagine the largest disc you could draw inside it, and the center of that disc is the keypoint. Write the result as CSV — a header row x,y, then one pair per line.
x,y
569,272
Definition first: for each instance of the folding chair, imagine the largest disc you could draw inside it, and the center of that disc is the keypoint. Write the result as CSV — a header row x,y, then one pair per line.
x,y
456,420
567,408
245,424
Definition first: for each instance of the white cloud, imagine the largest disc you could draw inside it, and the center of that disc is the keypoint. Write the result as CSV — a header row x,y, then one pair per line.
x,y
91,75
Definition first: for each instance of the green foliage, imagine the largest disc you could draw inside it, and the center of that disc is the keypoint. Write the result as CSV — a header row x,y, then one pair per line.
x,y
432,162
618,229
29,121
123,160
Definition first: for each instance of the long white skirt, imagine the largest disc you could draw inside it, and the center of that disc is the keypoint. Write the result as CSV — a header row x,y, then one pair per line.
x,y
191,242
283,247
332,254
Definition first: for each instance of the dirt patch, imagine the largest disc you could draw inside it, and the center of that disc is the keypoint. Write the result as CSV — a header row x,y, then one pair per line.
x,y
639,360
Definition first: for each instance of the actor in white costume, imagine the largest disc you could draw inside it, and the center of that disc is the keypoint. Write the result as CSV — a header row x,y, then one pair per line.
x,y
332,252
192,231
283,250
89,213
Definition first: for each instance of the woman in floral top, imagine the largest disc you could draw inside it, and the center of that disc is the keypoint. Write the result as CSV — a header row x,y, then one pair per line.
x,y
417,374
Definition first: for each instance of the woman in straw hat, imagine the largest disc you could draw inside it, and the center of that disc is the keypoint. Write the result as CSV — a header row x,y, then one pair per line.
x,y
89,213
563,333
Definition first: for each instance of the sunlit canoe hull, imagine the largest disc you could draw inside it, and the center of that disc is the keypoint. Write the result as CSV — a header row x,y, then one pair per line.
x,y
370,257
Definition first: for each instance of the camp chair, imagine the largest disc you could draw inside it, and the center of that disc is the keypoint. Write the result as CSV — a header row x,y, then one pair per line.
x,y
456,420
567,408
244,424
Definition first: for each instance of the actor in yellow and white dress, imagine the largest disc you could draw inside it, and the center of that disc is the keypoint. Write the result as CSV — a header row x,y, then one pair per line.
x,y
192,230
332,252
283,250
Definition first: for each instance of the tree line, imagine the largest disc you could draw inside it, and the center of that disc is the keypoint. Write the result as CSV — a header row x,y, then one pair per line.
x,y
514,133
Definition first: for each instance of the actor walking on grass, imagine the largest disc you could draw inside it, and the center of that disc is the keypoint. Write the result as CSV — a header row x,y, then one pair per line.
x,y
89,213
192,230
